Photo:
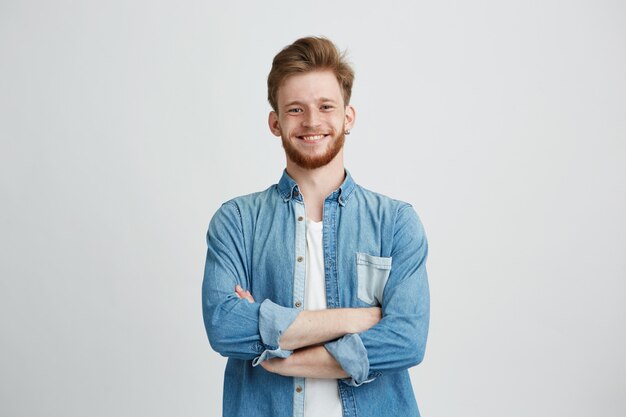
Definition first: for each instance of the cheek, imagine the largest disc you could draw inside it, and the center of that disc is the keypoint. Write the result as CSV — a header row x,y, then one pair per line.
x,y
339,119
286,127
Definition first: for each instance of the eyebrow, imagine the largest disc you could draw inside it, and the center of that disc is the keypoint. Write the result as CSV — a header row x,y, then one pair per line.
x,y
321,99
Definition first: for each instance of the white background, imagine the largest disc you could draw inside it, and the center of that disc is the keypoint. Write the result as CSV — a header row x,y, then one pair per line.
x,y
125,124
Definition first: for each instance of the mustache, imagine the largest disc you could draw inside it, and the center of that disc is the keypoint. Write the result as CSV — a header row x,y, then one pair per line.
x,y
315,131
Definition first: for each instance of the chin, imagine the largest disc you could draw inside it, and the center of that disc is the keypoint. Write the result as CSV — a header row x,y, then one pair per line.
x,y
317,160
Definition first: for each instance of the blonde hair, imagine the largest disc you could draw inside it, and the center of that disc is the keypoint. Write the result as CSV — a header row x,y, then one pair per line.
x,y
305,55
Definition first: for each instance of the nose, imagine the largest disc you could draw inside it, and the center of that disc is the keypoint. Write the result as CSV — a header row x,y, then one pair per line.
x,y
311,119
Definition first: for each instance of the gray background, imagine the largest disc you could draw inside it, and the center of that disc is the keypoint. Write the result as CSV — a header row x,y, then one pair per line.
x,y
124,125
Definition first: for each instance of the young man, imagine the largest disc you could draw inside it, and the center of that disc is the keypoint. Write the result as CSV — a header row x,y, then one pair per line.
x,y
316,288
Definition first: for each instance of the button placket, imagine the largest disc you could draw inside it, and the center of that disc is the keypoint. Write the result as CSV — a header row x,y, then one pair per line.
x,y
300,251
330,251
298,289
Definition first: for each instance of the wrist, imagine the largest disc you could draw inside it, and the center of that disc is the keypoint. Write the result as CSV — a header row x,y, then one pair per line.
x,y
356,319
362,319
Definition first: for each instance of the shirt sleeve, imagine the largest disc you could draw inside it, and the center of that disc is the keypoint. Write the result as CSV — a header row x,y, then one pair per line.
x,y
398,341
235,327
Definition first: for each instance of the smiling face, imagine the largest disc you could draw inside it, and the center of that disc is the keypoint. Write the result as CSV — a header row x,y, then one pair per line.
x,y
311,118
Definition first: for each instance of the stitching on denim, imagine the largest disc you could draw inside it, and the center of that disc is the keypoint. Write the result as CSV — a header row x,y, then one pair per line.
x,y
383,262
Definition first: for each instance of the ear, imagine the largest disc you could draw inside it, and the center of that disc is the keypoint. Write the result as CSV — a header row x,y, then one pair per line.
x,y
272,121
350,117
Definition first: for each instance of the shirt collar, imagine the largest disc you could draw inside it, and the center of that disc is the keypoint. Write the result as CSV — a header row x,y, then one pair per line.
x,y
288,189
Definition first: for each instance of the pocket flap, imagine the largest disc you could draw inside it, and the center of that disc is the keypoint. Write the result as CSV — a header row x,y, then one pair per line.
x,y
375,261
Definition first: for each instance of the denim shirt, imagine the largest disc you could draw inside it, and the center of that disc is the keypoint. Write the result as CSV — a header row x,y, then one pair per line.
x,y
375,254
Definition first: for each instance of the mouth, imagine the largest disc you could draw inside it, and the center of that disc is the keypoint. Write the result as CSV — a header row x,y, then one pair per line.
x,y
312,138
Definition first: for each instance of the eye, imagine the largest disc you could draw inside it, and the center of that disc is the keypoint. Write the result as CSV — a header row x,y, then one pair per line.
x,y
327,107
295,110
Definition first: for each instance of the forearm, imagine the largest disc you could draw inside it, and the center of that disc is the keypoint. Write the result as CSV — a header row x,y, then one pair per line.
x,y
309,362
319,326
312,327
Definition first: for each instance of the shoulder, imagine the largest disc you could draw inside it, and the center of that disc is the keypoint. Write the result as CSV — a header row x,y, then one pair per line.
x,y
252,198
237,210
378,201
397,214
245,202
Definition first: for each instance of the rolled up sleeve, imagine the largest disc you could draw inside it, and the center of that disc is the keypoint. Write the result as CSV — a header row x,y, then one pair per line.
x,y
351,355
273,321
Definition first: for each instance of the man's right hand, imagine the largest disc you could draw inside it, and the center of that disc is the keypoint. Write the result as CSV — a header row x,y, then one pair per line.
x,y
239,292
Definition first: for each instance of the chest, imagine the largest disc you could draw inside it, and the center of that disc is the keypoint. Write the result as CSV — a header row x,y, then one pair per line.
x,y
351,253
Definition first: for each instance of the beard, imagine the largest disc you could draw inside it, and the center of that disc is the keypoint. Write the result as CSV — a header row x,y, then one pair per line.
x,y
314,161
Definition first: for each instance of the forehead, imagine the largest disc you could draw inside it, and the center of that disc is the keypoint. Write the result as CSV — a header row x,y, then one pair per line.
x,y
309,87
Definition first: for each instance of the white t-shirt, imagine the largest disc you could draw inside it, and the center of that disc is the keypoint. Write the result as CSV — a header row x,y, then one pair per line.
x,y
321,396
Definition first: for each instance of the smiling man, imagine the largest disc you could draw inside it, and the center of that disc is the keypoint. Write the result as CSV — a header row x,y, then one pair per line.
x,y
316,288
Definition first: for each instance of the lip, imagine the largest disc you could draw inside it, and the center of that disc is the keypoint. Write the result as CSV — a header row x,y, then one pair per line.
x,y
312,137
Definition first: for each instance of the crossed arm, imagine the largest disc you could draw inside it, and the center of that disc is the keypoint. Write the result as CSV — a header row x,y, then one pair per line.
x,y
287,341
308,330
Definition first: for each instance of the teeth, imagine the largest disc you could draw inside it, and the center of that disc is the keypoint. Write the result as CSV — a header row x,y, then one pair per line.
x,y
316,137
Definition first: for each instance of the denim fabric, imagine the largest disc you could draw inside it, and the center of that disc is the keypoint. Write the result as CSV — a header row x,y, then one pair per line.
x,y
375,254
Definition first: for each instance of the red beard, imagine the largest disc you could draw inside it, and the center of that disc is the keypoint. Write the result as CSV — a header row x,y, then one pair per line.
x,y
314,161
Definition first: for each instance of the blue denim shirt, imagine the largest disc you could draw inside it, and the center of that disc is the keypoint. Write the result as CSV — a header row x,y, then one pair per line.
x,y
375,254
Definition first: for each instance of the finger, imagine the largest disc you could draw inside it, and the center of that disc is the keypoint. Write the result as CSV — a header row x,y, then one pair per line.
x,y
240,293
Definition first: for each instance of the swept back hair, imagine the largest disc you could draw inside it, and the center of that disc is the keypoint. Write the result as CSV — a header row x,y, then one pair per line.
x,y
305,55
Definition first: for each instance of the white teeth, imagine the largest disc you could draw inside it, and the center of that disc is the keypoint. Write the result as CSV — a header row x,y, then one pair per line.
x,y
317,137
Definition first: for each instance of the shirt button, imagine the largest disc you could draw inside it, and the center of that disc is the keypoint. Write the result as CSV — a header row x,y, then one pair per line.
x,y
298,388
298,304
300,218
300,258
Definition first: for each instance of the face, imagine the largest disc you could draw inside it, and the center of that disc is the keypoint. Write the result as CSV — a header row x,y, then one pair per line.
x,y
311,118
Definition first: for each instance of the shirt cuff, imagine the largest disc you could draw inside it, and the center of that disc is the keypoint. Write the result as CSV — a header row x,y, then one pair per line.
x,y
351,355
273,321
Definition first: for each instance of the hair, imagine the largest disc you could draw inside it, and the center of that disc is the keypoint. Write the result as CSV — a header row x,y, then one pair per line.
x,y
306,55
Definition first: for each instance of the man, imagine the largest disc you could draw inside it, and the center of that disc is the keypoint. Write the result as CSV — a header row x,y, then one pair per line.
x,y
316,288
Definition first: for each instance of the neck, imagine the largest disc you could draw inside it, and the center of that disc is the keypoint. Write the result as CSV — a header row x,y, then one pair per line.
x,y
316,184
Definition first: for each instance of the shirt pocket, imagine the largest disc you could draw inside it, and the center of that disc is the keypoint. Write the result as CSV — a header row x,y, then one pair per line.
x,y
372,274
